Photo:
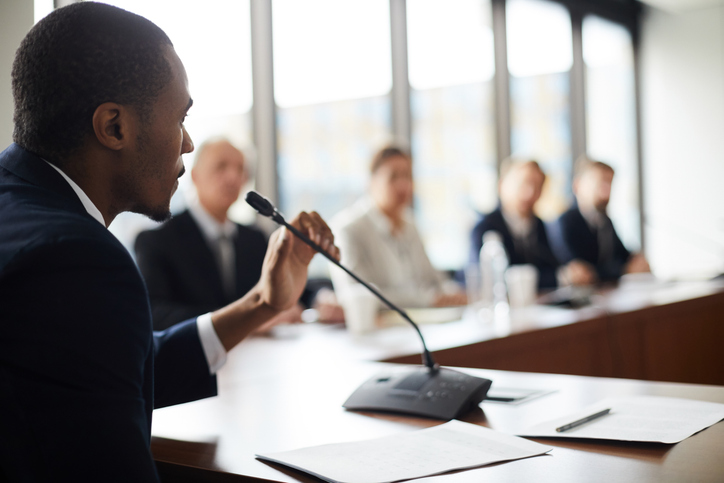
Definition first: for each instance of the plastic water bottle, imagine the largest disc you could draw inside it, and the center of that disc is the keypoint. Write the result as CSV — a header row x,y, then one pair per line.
x,y
493,264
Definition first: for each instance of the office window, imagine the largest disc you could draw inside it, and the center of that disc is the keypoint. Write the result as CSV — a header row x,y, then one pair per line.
x,y
540,56
332,78
611,117
41,8
451,66
213,40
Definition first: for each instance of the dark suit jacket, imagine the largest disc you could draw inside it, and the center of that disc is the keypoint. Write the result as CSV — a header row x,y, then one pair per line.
x,y
572,238
80,369
182,275
544,260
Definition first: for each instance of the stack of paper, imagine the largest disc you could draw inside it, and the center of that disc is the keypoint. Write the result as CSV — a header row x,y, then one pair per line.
x,y
642,418
451,446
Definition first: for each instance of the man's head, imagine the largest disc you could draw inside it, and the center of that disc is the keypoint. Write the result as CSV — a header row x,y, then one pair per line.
x,y
592,184
521,184
74,60
219,174
101,93
391,184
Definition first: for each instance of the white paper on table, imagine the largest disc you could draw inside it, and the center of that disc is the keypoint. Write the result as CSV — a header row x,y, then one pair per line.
x,y
451,446
641,418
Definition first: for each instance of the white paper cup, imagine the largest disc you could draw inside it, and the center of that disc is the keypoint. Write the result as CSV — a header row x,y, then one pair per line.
x,y
360,310
522,282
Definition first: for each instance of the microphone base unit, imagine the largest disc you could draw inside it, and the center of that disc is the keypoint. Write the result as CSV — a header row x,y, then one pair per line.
x,y
438,393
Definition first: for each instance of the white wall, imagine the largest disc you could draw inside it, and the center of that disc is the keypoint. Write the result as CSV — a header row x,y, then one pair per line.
x,y
16,18
682,95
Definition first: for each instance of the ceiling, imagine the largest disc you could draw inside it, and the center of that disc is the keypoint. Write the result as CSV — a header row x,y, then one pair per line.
x,y
680,6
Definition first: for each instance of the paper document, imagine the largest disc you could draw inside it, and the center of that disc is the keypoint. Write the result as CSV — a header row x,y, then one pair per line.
x,y
513,395
451,446
641,418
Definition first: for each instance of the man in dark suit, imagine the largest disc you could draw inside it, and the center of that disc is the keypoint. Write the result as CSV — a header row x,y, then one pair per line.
x,y
524,235
586,233
199,260
100,99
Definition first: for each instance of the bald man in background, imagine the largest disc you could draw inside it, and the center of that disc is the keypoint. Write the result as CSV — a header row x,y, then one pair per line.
x,y
200,260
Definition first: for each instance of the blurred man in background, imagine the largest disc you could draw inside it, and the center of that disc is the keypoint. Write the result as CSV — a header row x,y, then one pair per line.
x,y
586,233
524,235
200,260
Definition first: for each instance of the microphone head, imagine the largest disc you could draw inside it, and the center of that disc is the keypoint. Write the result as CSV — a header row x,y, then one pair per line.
x,y
260,204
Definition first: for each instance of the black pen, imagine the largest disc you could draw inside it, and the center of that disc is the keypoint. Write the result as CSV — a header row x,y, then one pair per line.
x,y
575,424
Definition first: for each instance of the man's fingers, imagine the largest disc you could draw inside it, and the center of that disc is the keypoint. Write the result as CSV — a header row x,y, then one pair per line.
x,y
318,231
326,234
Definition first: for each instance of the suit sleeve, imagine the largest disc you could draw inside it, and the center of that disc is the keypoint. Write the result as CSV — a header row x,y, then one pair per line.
x,y
559,232
547,262
615,269
181,369
154,264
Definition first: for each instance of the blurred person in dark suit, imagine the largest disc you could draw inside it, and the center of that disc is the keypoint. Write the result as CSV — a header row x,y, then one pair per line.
x,y
586,233
524,234
200,260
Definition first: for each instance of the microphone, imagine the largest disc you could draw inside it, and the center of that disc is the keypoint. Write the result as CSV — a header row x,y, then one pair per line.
x,y
430,391
265,208
262,205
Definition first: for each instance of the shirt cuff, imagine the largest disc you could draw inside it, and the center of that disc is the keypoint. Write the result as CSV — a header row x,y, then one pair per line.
x,y
213,349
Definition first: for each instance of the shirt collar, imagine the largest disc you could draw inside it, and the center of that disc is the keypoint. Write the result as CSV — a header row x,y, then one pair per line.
x,y
593,217
210,227
519,227
87,203
382,223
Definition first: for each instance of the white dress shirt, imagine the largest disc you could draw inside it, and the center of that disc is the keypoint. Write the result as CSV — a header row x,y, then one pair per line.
x,y
396,263
521,230
210,227
213,349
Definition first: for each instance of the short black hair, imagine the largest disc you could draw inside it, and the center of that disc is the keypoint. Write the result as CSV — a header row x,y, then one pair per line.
x,y
74,60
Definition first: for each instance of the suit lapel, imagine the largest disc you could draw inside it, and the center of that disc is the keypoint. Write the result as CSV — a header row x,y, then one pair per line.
x,y
203,260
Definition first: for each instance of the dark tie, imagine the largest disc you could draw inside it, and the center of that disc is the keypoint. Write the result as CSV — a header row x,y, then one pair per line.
x,y
605,241
227,265
526,246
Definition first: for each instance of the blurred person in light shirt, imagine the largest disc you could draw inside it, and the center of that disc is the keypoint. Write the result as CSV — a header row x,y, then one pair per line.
x,y
380,243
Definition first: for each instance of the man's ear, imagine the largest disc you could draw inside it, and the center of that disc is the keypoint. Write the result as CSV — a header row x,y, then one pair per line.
x,y
112,125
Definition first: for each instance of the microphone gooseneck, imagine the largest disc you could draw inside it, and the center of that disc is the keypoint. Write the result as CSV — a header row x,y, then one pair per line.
x,y
265,208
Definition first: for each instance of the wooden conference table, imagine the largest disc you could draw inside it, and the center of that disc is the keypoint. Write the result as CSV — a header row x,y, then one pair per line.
x,y
654,331
285,392
672,332
216,439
